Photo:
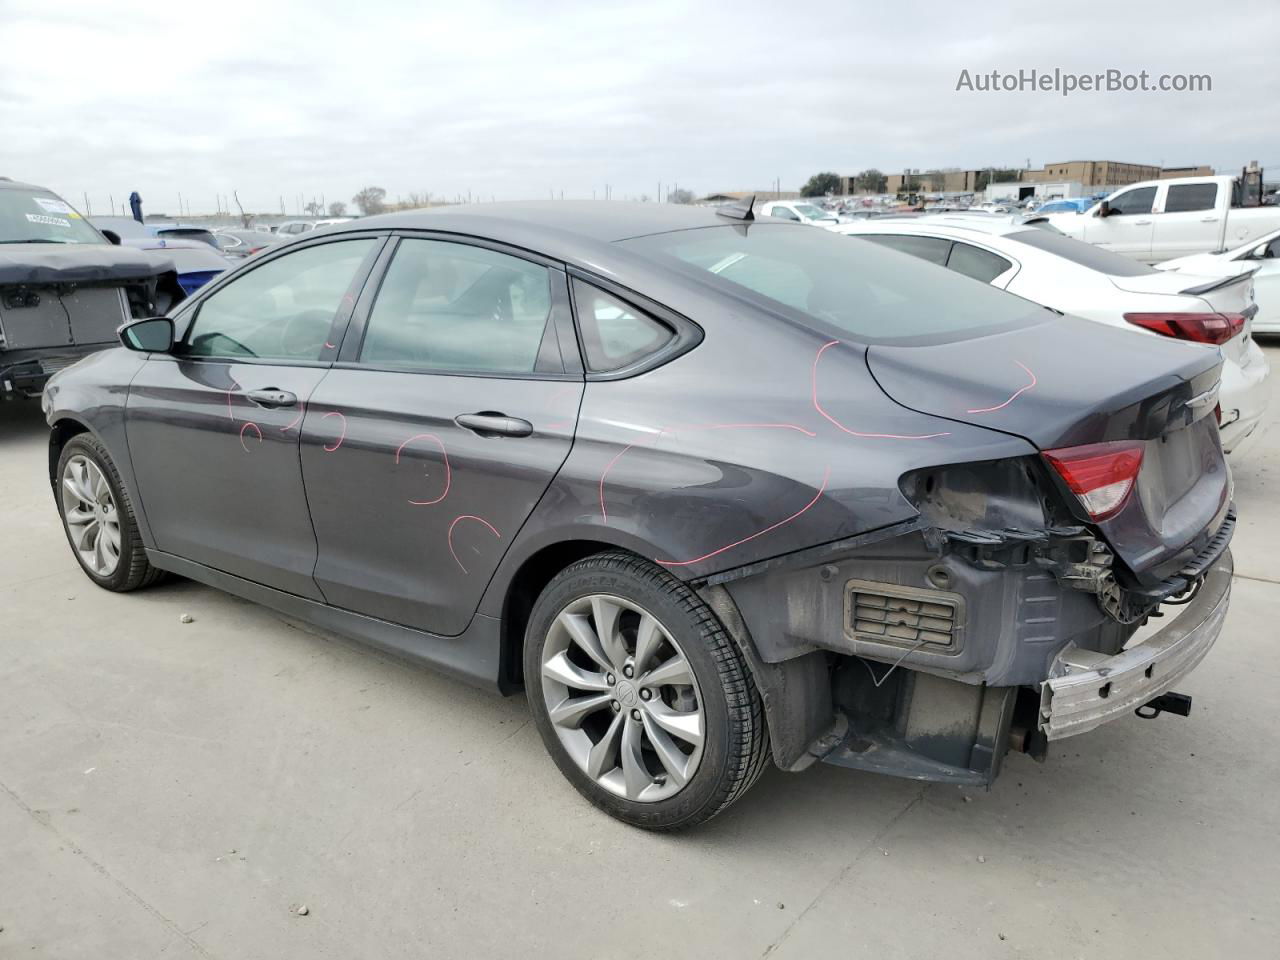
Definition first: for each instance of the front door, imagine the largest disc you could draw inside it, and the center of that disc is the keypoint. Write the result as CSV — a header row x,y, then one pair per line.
x,y
428,445
1128,228
213,428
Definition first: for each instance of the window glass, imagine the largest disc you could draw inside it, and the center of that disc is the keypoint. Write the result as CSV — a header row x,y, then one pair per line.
x,y
451,306
1081,253
1185,197
977,263
838,284
783,212
28,216
615,334
926,248
1133,201
281,310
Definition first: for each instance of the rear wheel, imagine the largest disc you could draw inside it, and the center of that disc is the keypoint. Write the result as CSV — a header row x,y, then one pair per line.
x,y
97,517
640,696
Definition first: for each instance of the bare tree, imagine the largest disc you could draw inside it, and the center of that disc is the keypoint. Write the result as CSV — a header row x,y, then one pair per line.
x,y
314,209
245,219
416,200
370,200
337,209
680,195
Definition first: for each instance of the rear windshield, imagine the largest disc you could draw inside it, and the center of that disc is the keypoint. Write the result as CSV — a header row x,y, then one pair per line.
x,y
1079,252
827,281
37,216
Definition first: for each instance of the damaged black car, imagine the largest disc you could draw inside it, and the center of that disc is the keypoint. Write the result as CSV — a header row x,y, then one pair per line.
x,y
64,288
712,492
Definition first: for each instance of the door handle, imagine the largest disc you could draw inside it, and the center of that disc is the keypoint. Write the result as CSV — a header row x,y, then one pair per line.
x,y
1208,219
271,398
490,424
1141,223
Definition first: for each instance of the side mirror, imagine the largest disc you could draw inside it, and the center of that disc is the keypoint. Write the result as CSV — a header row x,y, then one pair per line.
x,y
150,335
1104,209
112,237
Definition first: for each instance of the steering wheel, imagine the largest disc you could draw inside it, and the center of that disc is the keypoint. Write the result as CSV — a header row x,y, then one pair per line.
x,y
304,333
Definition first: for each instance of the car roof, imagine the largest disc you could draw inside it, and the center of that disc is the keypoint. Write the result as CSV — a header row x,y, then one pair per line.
x,y
8,184
569,230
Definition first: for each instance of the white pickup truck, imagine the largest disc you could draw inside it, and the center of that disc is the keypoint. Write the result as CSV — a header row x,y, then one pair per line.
x,y
1158,220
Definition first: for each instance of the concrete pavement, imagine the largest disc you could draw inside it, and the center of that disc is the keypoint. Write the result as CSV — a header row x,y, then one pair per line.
x,y
180,790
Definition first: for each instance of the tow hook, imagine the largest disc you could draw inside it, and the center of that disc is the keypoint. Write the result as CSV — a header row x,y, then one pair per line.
x,y
1178,703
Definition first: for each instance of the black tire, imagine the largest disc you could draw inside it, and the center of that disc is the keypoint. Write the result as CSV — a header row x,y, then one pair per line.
x,y
132,572
736,740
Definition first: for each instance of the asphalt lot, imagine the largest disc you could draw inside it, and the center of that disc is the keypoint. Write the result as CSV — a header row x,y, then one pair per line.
x,y
179,790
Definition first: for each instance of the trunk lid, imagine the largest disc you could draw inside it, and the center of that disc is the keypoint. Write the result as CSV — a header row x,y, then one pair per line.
x,y
1069,382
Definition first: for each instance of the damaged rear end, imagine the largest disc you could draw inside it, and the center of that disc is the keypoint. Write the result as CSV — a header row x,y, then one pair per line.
x,y
1004,617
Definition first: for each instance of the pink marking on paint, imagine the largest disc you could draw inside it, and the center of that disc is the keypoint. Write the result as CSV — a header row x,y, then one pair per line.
x,y
448,471
334,413
1016,394
855,433
296,420
826,476
247,425
604,512
456,521
330,346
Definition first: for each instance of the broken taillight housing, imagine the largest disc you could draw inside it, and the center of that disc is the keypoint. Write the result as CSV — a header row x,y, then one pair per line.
x,y
1101,475
1198,327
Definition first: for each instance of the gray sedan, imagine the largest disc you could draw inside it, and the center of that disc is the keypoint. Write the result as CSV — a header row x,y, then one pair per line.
x,y
712,492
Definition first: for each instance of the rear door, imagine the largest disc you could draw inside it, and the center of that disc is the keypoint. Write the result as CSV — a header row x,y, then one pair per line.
x,y
1189,221
451,409
213,428
1128,228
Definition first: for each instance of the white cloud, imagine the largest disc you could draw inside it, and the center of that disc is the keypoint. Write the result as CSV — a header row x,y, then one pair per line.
x,y
518,99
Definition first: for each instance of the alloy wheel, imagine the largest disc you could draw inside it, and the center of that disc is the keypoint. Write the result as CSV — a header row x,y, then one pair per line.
x,y
622,698
91,515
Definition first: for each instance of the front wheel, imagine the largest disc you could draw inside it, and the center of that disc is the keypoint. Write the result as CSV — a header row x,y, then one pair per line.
x,y
642,699
97,516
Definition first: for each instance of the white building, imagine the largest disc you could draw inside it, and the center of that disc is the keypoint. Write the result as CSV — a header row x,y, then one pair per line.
x,y
1020,190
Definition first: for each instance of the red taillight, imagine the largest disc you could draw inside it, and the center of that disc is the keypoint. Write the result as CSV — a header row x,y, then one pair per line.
x,y
1100,474
1199,327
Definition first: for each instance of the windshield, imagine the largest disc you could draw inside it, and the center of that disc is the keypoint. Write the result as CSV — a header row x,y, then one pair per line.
x,y
865,291
1081,253
37,216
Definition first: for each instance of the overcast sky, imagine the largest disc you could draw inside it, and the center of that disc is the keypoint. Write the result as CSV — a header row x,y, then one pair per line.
x,y
515,100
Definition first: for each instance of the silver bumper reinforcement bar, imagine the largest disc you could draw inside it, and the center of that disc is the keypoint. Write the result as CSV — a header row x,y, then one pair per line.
x,y
1085,689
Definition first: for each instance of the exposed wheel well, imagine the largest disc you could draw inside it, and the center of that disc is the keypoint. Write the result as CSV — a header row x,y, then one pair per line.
x,y
530,580
61,432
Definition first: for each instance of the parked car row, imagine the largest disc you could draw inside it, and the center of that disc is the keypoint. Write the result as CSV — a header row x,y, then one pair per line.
x,y
713,490
1036,261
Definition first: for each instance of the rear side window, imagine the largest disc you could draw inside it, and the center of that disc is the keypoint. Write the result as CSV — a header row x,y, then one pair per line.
x,y
932,249
282,310
838,284
451,306
1081,253
1186,197
615,334
977,263
784,213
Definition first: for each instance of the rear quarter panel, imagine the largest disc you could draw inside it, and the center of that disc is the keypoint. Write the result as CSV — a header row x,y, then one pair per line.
x,y
749,447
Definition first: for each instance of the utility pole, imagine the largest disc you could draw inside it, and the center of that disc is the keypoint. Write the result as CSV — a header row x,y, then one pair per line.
x,y
88,212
